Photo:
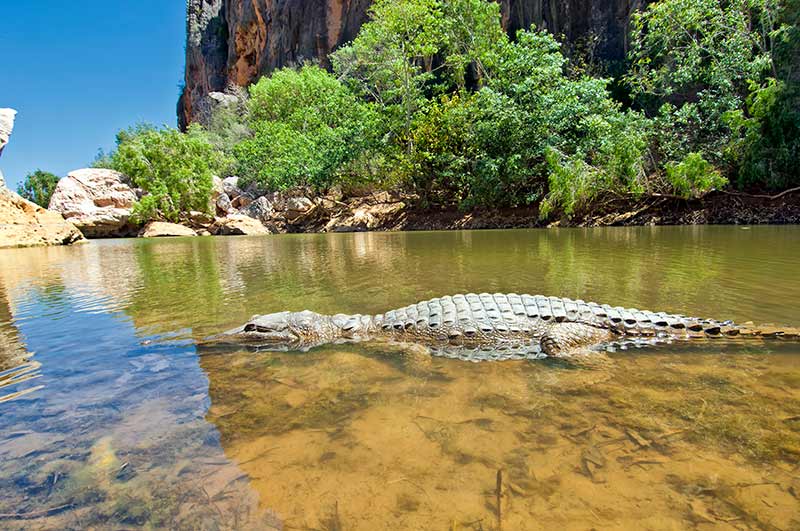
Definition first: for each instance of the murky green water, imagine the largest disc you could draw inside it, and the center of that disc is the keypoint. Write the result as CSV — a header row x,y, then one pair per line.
x,y
112,418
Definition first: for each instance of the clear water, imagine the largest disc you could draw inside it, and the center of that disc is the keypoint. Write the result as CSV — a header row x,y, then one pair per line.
x,y
112,418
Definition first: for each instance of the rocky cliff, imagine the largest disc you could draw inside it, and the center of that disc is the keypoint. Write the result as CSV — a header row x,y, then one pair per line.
x,y
236,41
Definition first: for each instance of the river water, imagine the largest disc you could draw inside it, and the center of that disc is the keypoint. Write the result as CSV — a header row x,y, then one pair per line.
x,y
111,416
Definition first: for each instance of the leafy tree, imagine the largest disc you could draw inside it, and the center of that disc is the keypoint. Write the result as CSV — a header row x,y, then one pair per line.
x,y
693,64
38,187
225,125
514,140
307,126
391,59
173,168
693,176
769,131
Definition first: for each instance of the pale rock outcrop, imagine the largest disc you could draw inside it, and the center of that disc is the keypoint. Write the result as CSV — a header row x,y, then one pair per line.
x,y
295,207
261,209
223,205
6,125
25,224
98,201
366,217
22,223
158,229
238,224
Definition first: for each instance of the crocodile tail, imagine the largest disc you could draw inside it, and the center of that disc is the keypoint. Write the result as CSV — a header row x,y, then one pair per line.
x,y
750,330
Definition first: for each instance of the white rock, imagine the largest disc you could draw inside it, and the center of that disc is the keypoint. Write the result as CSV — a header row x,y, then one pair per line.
x,y
237,224
97,201
158,229
24,224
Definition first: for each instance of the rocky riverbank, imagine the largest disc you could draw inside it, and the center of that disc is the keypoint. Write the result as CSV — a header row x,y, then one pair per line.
x,y
99,202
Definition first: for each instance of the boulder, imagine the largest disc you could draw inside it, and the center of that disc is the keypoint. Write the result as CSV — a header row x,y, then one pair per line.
x,y
158,229
199,219
98,201
239,198
230,185
6,125
24,224
367,217
242,202
296,207
237,224
222,204
260,209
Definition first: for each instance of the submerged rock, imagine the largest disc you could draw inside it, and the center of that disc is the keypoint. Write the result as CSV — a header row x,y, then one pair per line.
x,y
98,201
157,229
237,224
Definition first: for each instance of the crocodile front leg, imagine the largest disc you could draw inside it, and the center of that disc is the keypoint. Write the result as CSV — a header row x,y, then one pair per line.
x,y
565,339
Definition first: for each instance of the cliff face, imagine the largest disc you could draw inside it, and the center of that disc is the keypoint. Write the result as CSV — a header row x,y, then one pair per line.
x,y
236,41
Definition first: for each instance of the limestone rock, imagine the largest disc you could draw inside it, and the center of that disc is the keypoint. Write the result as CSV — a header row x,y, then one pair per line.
x,y
239,198
223,205
230,185
296,207
216,187
6,125
367,217
157,229
237,224
24,224
98,201
261,209
199,219
242,202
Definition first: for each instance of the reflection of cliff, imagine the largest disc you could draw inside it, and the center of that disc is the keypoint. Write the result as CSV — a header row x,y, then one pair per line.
x,y
12,352
16,365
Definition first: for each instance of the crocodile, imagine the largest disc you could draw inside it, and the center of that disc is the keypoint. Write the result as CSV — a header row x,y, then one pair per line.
x,y
485,326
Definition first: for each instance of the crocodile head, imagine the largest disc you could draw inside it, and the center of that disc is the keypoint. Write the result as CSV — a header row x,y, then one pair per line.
x,y
282,331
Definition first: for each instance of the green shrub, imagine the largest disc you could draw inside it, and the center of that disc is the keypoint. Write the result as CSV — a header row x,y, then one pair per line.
x,y
693,176
692,67
173,168
767,153
38,187
307,129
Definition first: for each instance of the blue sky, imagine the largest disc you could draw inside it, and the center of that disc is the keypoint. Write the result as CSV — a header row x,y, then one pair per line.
x,y
77,72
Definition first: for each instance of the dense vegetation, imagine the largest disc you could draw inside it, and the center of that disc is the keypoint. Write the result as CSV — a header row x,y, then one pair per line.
x,y
38,187
434,98
174,169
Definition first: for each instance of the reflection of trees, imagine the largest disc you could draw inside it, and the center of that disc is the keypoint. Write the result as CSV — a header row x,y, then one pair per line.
x,y
180,284
211,284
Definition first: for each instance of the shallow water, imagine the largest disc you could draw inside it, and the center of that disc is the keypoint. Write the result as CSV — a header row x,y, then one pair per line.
x,y
111,417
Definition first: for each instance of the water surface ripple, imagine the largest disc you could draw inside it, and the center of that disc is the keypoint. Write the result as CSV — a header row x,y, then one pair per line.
x,y
111,417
